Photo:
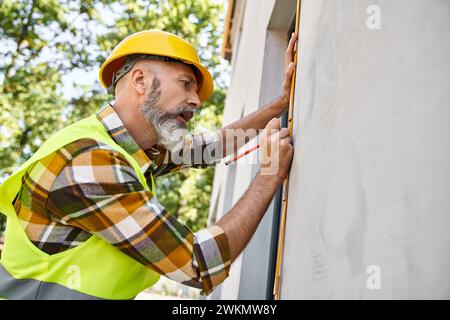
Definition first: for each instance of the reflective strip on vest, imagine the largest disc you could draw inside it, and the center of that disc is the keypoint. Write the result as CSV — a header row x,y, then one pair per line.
x,y
31,289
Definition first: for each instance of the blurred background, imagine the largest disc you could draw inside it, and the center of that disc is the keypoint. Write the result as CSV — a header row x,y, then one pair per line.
x,y
50,54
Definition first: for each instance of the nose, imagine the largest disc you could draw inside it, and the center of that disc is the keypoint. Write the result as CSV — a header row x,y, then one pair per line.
x,y
194,100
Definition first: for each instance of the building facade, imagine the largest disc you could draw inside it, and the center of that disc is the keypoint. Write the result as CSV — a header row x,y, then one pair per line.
x,y
369,207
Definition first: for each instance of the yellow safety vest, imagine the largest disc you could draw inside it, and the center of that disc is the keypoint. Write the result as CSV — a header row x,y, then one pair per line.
x,y
94,269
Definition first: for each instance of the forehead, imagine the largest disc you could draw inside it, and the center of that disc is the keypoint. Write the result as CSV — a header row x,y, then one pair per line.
x,y
187,70
175,69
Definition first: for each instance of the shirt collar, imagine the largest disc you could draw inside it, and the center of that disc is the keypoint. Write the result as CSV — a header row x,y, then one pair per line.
x,y
117,131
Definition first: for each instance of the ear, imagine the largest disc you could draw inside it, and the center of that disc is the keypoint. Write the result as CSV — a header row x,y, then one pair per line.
x,y
140,80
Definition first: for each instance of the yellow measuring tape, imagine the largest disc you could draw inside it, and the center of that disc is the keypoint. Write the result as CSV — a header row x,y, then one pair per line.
x,y
277,281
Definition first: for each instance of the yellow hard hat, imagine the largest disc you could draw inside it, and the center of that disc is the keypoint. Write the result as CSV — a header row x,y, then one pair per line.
x,y
156,43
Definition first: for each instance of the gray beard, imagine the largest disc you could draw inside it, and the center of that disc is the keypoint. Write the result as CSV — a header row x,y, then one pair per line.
x,y
168,129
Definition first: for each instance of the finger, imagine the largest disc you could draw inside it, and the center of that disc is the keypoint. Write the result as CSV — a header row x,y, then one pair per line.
x,y
281,135
290,49
273,125
289,71
287,139
291,44
284,132
287,82
263,139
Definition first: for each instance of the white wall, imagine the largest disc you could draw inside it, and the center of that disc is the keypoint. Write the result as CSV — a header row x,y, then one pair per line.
x,y
370,181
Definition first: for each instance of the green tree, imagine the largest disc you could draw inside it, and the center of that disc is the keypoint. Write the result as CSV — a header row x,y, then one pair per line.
x,y
41,41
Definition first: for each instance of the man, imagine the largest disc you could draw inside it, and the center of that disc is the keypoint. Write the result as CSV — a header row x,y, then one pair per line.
x,y
83,218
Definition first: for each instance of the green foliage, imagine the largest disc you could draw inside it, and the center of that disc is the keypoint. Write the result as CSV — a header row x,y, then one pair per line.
x,y
41,41
31,111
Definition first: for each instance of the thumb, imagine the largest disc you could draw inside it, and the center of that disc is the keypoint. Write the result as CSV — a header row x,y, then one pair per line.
x,y
273,124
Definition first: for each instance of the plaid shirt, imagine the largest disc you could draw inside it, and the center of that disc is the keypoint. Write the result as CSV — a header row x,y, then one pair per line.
x,y
88,188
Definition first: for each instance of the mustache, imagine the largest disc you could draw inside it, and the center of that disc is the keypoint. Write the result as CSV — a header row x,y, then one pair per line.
x,y
184,111
181,109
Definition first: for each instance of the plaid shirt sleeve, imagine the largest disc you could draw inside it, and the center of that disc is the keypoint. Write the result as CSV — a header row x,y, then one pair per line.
x,y
193,151
99,192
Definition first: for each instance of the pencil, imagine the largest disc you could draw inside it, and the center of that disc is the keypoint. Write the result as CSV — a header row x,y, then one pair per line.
x,y
242,154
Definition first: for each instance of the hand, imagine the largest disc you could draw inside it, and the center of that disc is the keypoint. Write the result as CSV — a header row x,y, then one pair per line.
x,y
276,150
289,67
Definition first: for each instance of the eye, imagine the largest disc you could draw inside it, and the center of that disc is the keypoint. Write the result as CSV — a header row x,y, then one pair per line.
x,y
186,83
